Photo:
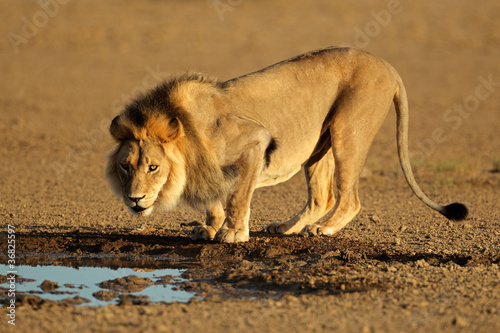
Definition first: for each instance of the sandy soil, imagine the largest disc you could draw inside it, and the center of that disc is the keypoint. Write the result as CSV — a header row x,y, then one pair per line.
x,y
398,267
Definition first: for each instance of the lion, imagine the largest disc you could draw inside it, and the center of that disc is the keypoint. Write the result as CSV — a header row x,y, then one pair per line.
x,y
211,143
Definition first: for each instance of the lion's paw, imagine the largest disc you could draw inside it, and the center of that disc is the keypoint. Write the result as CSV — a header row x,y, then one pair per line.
x,y
226,235
311,230
203,232
274,228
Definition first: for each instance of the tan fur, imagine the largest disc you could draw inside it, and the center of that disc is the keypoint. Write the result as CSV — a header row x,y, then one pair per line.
x,y
211,143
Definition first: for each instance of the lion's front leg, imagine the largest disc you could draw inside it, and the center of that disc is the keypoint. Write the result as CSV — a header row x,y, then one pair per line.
x,y
249,152
233,233
215,219
235,227
226,235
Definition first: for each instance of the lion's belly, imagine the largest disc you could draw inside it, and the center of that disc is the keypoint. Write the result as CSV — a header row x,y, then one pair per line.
x,y
287,160
272,178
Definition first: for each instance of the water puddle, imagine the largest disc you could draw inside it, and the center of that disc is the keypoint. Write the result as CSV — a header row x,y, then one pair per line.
x,y
97,286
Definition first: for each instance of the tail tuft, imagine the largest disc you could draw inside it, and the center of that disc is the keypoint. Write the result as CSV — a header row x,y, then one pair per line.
x,y
455,211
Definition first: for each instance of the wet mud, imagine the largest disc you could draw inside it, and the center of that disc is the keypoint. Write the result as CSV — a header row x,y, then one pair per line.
x,y
267,266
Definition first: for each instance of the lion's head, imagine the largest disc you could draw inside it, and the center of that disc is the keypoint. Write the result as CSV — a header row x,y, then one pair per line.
x,y
162,157
147,168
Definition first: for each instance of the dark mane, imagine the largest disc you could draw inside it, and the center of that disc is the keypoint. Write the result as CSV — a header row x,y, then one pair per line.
x,y
157,100
206,181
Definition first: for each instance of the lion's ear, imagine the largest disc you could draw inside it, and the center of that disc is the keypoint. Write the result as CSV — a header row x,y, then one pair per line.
x,y
174,130
167,130
117,130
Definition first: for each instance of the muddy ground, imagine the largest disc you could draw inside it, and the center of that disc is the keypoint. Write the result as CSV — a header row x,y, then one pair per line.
x,y
69,67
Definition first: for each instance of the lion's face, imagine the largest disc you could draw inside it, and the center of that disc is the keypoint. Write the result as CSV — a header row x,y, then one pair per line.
x,y
143,172
147,169
146,174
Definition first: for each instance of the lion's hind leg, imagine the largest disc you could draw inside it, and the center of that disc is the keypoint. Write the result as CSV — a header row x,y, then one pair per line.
x,y
347,205
351,141
321,198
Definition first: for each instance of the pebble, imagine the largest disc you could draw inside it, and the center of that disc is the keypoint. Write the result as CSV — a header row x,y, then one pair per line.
x,y
300,263
460,322
421,263
49,285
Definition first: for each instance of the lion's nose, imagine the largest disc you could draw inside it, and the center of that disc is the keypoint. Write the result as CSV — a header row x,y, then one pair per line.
x,y
136,199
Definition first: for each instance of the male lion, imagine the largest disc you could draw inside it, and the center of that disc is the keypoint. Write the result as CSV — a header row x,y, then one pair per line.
x,y
212,143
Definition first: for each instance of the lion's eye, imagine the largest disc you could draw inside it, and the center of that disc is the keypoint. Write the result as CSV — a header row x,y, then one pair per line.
x,y
153,167
125,167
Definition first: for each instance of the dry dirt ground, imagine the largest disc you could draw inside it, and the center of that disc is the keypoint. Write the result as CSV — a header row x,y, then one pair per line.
x,y
69,67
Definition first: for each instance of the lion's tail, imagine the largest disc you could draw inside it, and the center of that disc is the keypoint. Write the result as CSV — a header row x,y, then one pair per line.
x,y
455,211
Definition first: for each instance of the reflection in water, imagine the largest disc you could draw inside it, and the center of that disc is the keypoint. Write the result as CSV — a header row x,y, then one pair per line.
x,y
67,282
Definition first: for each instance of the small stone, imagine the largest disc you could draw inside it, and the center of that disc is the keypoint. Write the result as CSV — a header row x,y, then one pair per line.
x,y
49,286
301,263
365,173
460,322
104,295
421,263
